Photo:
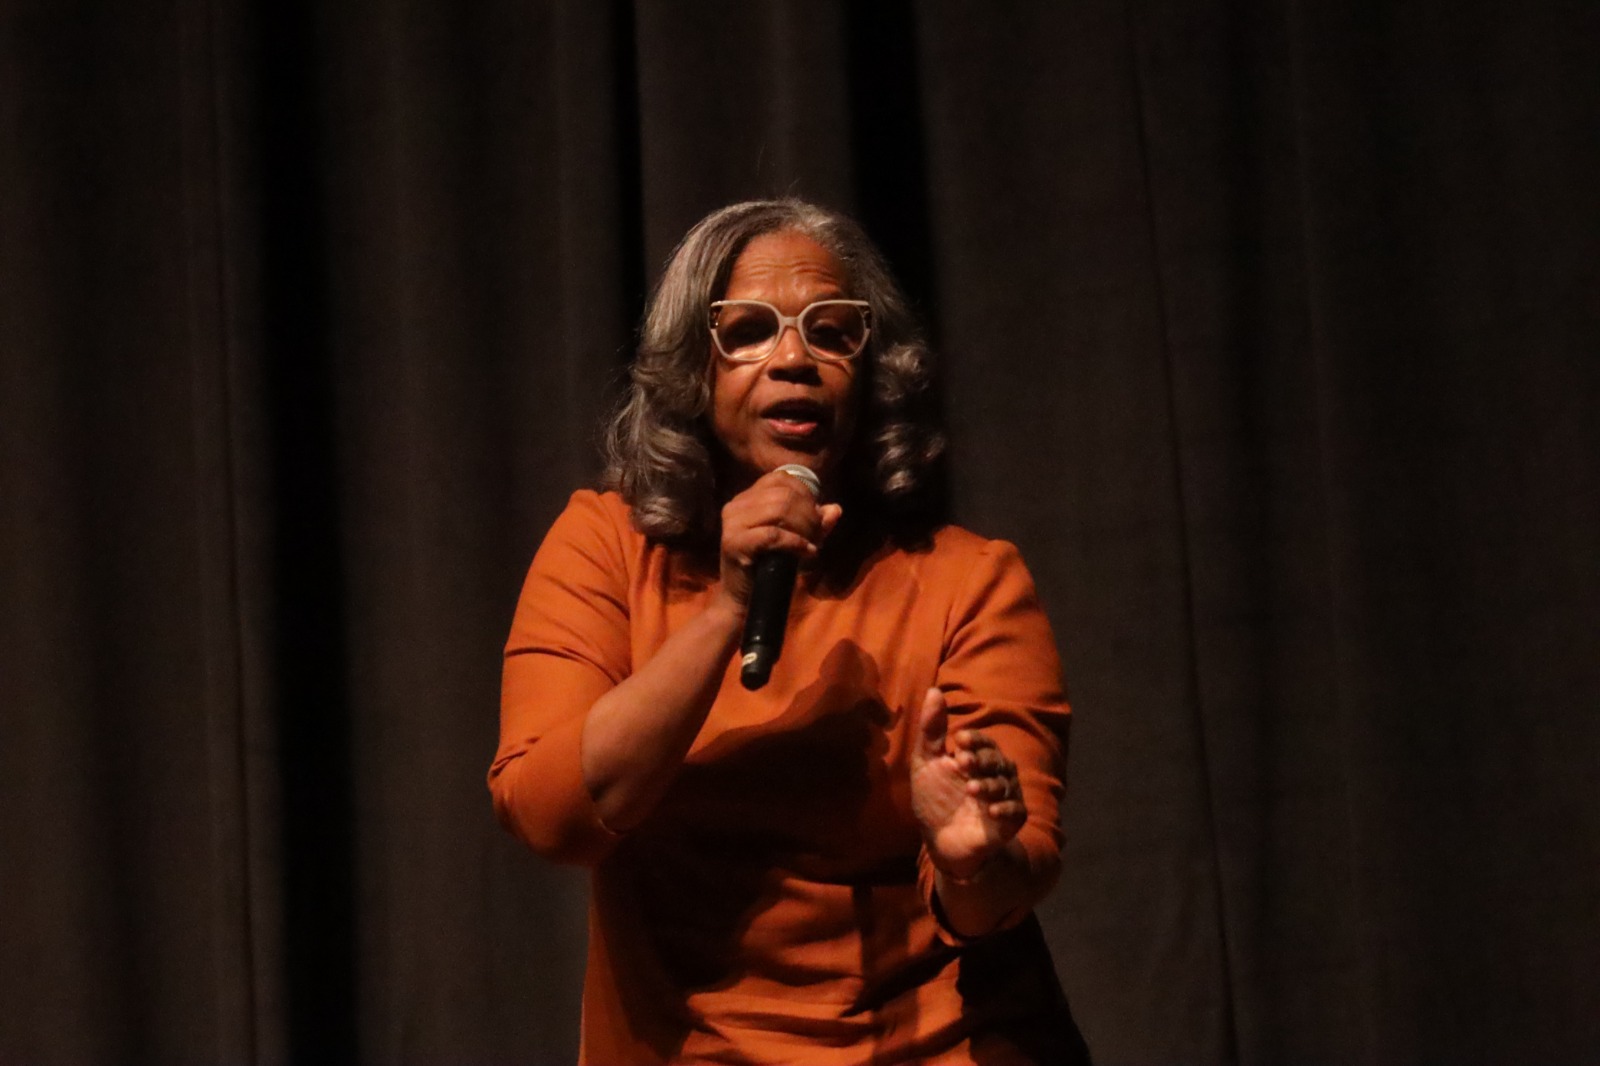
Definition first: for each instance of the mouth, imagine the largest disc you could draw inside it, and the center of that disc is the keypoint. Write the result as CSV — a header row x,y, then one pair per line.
x,y
796,419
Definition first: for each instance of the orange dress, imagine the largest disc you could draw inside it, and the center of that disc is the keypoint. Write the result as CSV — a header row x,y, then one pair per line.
x,y
777,906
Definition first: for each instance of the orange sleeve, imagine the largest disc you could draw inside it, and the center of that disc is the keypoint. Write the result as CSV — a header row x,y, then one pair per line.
x,y
1000,673
569,645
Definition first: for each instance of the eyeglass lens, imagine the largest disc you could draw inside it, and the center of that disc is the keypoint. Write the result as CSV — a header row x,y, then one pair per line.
x,y
832,329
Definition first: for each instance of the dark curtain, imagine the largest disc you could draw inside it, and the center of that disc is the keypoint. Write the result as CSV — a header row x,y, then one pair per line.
x,y
1269,332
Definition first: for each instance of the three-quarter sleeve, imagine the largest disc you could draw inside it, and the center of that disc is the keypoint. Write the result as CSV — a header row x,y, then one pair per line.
x,y
1000,673
569,645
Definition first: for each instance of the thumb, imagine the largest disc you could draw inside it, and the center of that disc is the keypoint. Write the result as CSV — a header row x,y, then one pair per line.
x,y
829,514
931,726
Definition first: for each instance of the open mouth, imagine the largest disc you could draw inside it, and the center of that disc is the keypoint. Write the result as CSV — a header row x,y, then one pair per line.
x,y
796,419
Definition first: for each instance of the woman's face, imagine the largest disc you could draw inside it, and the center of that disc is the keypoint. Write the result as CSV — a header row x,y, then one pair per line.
x,y
789,408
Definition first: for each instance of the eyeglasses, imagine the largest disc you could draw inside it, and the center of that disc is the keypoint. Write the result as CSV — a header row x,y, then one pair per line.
x,y
833,331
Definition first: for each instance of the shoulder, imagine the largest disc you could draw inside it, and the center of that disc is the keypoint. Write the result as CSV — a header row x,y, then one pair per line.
x,y
979,575
596,514
595,526
960,550
955,566
604,508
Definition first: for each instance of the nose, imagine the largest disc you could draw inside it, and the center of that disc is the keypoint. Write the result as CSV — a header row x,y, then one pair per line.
x,y
789,359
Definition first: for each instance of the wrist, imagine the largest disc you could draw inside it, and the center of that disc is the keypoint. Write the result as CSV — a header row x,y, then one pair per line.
x,y
991,870
991,896
968,906
726,611
975,876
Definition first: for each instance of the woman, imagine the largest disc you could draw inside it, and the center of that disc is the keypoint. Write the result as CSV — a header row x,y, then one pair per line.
x,y
841,865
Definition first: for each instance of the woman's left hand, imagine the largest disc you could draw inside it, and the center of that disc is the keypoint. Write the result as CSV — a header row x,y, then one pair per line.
x,y
964,793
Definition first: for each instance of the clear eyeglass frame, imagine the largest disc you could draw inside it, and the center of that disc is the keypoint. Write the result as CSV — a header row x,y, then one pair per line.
x,y
785,322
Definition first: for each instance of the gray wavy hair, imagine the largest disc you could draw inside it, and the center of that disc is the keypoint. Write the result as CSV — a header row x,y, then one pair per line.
x,y
658,445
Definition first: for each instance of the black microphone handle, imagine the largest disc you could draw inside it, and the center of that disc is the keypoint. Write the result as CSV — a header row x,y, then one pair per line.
x,y
771,586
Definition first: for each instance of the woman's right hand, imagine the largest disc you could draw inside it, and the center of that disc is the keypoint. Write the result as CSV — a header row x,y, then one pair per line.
x,y
636,735
776,513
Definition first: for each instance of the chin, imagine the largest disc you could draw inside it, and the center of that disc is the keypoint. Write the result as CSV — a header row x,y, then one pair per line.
x,y
763,460
816,459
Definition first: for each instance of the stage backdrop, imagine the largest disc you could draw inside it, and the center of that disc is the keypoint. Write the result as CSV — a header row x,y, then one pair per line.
x,y
1270,335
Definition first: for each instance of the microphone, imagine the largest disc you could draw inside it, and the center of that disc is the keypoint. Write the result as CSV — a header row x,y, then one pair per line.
x,y
771,586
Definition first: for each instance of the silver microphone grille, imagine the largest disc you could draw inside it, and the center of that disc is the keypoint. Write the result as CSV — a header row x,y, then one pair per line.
x,y
805,475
